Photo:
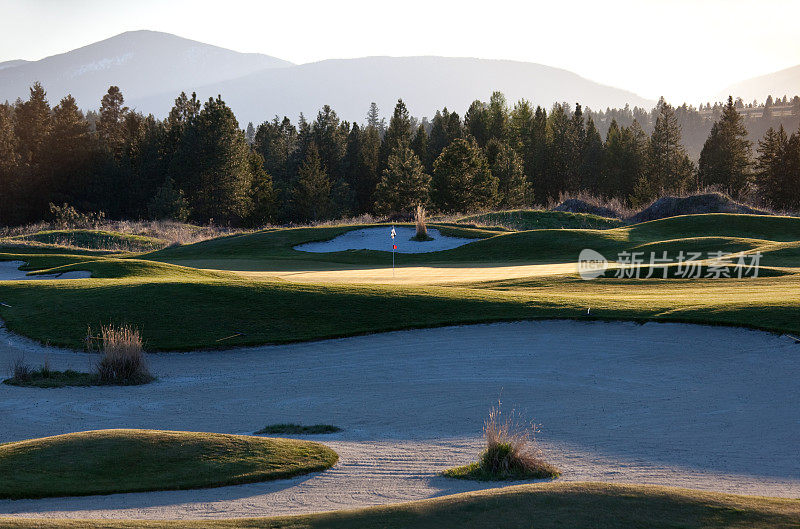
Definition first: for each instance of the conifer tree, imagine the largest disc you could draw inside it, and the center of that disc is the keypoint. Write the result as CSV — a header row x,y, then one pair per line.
x,y
669,168
110,127
404,183
462,180
221,175
725,158
168,203
506,165
311,198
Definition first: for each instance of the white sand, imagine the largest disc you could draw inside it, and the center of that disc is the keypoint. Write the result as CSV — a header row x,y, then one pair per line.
x,y
704,407
379,239
9,271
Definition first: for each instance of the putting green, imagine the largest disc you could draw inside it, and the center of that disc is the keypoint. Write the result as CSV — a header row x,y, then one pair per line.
x,y
110,461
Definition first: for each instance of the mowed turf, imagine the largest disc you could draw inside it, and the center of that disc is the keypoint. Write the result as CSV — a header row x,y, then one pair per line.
x,y
110,461
180,307
540,506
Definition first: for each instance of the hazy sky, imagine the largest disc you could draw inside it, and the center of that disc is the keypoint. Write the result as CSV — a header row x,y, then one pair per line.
x,y
682,49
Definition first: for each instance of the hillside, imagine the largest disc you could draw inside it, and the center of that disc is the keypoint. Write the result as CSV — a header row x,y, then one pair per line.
x,y
141,63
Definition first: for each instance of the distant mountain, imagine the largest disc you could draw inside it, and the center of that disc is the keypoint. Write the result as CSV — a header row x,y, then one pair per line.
x,y
12,64
141,63
152,68
777,84
424,83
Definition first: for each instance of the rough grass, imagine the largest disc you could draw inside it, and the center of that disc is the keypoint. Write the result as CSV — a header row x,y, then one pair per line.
x,y
111,461
541,505
46,378
122,358
528,219
297,429
511,453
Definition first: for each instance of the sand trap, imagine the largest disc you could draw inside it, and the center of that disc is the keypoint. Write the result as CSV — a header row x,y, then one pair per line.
x,y
704,407
9,271
379,239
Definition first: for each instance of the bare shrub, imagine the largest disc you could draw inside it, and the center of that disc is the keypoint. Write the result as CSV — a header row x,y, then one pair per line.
x,y
511,448
20,370
123,359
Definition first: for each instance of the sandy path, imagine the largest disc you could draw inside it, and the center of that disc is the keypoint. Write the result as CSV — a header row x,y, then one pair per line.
x,y
705,407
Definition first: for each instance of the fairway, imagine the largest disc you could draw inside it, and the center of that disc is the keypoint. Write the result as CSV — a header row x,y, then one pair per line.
x,y
255,288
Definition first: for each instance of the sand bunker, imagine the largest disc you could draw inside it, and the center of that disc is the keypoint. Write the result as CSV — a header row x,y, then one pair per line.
x,y
379,239
9,271
685,405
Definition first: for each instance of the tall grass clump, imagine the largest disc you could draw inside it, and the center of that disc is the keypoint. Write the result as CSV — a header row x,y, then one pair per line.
x,y
122,359
420,216
510,453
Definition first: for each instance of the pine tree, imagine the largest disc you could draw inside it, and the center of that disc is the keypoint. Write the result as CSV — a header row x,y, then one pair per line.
x,y
775,181
110,127
498,117
462,180
9,160
725,158
420,143
446,128
69,147
404,183
250,133
506,165
669,168
264,196
591,159
331,141
221,178
398,133
169,203
311,198
477,122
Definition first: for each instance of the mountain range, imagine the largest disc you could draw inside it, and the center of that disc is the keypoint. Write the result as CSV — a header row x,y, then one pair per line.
x,y
152,68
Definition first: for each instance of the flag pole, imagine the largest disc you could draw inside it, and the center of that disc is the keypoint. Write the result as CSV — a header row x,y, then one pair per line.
x,y
394,247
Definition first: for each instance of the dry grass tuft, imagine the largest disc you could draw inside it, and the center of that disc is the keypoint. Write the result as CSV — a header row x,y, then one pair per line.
x,y
20,369
123,359
511,452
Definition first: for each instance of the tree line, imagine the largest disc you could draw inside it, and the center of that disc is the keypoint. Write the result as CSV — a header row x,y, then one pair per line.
x,y
198,165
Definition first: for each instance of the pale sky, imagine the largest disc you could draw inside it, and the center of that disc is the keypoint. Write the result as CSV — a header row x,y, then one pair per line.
x,y
686,50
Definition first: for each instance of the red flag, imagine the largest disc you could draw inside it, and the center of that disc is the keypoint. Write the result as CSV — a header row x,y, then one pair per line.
x,y
394,247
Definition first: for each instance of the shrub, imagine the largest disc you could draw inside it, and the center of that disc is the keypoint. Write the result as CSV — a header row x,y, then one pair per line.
x,y
422,229
123,359
20,370
511,453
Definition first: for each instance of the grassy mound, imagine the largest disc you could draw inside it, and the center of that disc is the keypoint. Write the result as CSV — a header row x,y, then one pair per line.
x,y
527,219
297,429
111,461
543,506
46,378
92,240
665,207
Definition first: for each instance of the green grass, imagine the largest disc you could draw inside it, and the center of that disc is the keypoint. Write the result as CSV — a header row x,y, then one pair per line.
x,y
478,472
297,429
46,378
89,240
527,219
183,308
111,461
539,506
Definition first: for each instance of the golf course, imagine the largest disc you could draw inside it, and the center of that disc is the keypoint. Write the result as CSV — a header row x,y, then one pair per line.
x,y
636,383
